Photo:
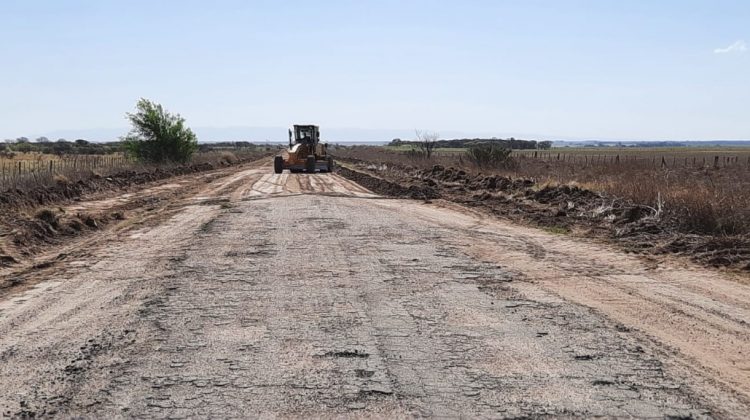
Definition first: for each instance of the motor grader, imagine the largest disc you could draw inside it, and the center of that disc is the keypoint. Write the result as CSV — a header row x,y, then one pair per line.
x,y
305,153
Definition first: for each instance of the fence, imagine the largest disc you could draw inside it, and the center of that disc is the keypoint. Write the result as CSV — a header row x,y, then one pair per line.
x,y
645,160
17,172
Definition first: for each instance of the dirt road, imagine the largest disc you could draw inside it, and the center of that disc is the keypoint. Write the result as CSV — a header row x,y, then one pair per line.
x,y
299,295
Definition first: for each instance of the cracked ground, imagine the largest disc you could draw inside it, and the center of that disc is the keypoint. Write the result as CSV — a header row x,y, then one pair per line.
x,y
309,296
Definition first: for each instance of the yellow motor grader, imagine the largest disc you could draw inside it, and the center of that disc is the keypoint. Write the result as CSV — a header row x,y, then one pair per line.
x,y
305,153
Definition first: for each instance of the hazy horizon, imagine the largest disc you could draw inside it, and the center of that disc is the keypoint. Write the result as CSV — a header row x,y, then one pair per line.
x,y
330,134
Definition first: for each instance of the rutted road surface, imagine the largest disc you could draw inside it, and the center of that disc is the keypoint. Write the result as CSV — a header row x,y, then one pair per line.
x,y
307,295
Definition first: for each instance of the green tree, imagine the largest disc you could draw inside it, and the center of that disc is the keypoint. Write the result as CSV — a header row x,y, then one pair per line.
x,y
544,145
158,136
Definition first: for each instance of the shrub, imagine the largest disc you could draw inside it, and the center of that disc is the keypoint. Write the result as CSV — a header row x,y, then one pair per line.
x,y
48,216
158,136
489,156
415,154
60,179
229,157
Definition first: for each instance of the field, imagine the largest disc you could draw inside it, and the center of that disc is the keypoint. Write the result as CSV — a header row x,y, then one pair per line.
x,y
705,191
644,157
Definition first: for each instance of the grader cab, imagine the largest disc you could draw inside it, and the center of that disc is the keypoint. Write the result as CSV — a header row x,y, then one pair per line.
x,y
305,153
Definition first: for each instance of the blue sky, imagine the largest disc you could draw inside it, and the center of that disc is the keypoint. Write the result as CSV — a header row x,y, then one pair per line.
x,y
669,69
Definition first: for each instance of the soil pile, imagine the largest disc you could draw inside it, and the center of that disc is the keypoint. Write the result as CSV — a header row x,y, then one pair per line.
x,y
388,188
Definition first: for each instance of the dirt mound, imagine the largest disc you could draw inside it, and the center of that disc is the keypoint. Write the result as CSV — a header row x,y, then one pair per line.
x,y
388,188
49,227
441,174
564,194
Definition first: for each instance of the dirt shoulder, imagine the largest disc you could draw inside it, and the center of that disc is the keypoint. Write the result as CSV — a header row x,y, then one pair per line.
x,y
41,227
558,209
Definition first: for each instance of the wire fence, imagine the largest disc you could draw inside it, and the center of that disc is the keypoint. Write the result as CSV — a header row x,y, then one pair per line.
x,y
42,169
643,159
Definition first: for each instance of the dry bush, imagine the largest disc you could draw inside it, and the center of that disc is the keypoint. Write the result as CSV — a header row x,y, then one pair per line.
x,y
229,157
48,216
489,156
60,179
708,201
426,142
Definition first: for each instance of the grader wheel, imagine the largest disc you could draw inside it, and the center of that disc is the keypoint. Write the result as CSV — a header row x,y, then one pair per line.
x,y
310,164
278,164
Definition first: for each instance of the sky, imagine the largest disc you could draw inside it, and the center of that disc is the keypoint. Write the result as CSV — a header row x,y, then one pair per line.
x,y
547,69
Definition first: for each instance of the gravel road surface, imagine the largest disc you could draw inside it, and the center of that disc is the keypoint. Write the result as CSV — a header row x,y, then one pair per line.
x,y
300,295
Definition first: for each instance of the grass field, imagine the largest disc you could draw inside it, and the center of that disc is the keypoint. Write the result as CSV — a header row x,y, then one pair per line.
x,y
667,156
645,157
707,190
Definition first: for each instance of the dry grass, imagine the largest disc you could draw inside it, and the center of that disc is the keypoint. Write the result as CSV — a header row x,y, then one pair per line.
x,y
714,201
29,170
24,169
701,199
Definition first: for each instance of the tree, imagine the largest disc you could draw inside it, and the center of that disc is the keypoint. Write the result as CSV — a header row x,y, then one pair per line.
x,y
62,147
159,136
22,140
544,145
42,140
23,147
426,141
